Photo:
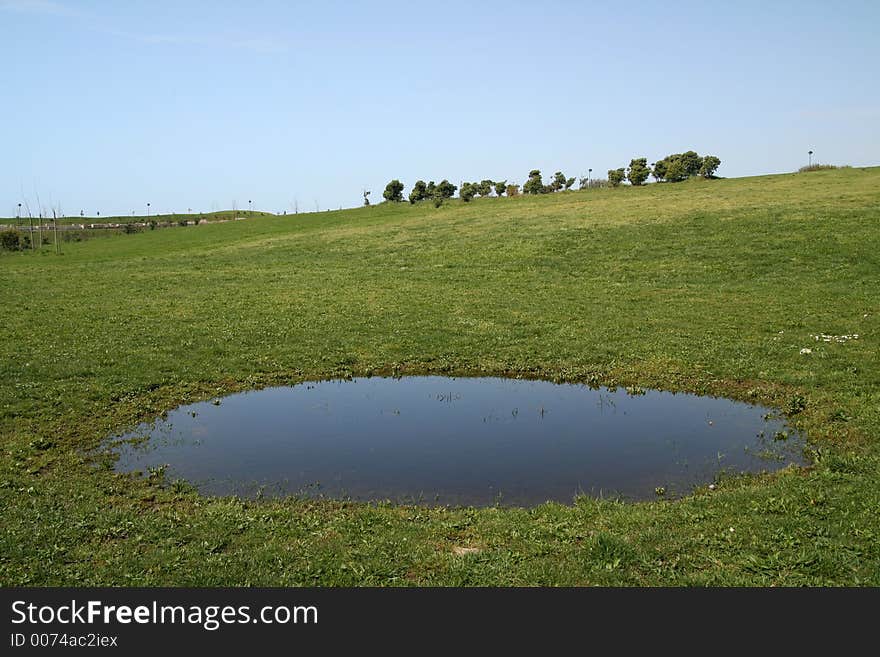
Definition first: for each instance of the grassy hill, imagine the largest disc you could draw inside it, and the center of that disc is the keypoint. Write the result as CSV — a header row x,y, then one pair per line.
x,y
705,286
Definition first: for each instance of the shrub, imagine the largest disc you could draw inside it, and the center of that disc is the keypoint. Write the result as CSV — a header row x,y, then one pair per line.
x,y
819,167
10,240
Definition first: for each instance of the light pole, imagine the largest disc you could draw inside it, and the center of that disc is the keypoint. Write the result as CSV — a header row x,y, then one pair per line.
x,y
249,206
810,153
148,211
18,218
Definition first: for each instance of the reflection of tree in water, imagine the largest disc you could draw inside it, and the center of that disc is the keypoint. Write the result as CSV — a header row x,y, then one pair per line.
x,y
604,401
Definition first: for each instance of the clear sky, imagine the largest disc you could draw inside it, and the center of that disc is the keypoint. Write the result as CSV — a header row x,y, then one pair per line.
x,y
109,105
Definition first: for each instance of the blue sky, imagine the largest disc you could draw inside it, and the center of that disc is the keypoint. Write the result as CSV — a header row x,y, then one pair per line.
x,y
109,105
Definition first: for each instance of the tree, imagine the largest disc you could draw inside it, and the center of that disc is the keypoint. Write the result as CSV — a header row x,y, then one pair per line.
x,y
431,190
445,189
558,181
710,166
534,185
393,191
419,192
366,200
659,171
500,188
675,170
638,171
569,183
583,183
467,191
691,163
485,187
512,190
616,176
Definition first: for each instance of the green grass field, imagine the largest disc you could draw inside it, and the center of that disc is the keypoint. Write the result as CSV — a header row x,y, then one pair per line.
x,y
705,286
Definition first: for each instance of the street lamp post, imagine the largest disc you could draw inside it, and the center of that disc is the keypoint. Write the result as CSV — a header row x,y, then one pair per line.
x,y
810,153
589,178
148,211
250,209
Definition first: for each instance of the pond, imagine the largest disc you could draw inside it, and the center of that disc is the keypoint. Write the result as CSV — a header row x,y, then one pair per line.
x,y
458,441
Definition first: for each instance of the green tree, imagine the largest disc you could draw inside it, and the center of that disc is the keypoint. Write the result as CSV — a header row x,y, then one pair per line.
x,y
534,185
500,188
485,187
659,171
393,191
419,192
512,190
431,190
570,183
638,171
675,169
558,181
445,189
710,166
691,163
467,191
616,176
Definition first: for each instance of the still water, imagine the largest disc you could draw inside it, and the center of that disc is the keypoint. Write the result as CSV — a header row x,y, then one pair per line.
x,y
458,441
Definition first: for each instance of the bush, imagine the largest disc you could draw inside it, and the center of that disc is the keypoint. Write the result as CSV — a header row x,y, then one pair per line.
x,y
10,240
818,167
